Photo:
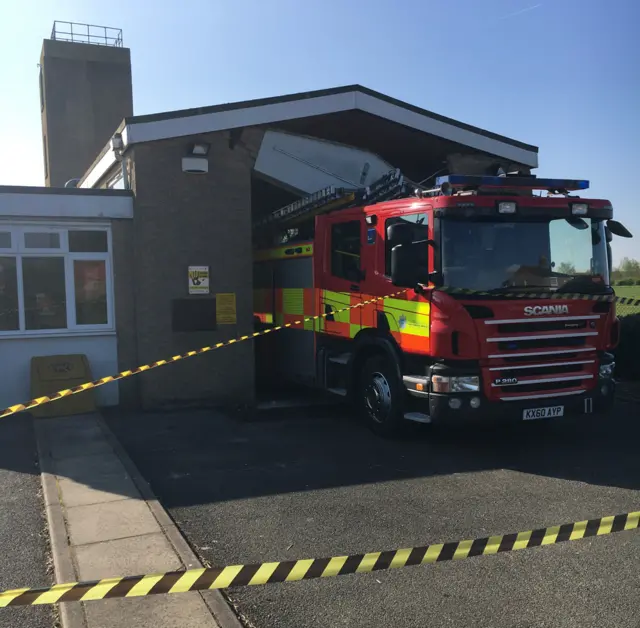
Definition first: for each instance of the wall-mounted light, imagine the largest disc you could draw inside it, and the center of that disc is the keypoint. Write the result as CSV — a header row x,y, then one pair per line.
x,y
196,161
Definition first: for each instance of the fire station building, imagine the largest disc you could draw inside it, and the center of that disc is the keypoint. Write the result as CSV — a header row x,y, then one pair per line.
x,y
139,245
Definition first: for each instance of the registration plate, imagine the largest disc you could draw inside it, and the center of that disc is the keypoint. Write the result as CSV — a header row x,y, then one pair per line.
x,y
542,413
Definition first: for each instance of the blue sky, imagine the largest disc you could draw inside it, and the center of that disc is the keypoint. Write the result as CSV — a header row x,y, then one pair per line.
x,y
563,75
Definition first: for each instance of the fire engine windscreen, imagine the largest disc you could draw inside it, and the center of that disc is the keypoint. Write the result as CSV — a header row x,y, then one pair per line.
x,y
561,254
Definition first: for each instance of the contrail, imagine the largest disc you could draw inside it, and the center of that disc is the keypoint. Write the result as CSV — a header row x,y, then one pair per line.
x,y
535,6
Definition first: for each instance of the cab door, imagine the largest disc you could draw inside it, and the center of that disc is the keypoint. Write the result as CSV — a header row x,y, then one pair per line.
x,y
343,274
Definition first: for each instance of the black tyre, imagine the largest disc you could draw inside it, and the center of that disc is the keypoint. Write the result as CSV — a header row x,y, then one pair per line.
x,y
379,396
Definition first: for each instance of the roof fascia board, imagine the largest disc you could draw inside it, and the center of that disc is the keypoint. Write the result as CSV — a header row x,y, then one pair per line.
x,y
426,124
99,170
236,118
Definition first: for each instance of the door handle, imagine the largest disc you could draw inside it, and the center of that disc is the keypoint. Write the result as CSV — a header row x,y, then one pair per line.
x,y
328,310
355,288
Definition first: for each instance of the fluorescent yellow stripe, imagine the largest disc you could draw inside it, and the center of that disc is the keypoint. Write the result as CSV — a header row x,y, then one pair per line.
x,y
264,573
299,570
432,553
52,596
340,298
334,566
633,521
101,589
578,531
493,545
521,540
550,535
293,301
144,586
415,307
401,558
186,581
367,563
463,549
605,525
226,577
8,596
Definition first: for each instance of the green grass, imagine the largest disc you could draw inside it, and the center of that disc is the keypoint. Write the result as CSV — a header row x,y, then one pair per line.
x,y
628,291
631,292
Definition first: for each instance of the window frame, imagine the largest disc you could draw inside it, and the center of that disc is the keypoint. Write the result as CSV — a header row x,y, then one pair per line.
x,y
387,224
332,251
19,252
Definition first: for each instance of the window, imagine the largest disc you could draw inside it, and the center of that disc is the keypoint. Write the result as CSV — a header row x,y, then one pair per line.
x,y
54,280
345,250
420,232
9,319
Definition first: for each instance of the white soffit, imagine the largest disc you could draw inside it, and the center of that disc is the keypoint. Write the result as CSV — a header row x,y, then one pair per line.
x,y
153,130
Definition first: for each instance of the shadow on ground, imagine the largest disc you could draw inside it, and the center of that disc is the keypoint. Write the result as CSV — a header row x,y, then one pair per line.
x,y
294,450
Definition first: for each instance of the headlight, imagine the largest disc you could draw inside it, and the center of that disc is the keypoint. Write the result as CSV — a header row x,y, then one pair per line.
x,y
606,370
466,383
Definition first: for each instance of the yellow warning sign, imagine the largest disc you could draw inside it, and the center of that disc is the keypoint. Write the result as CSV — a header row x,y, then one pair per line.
x,y
226,308
198,280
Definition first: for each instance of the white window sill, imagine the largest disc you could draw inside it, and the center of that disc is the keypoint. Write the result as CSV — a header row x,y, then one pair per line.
x,y
58,333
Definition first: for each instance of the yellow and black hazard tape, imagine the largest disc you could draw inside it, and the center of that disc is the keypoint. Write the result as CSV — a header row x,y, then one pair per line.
x,y
309,568
60,394
575,296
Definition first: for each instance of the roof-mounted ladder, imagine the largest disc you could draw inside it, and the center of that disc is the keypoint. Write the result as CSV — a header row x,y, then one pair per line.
x,y
388,187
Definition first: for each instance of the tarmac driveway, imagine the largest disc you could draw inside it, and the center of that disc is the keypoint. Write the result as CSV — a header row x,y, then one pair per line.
x,y
311,486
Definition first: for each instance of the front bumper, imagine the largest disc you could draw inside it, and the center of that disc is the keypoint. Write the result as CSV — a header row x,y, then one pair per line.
x,y
437,408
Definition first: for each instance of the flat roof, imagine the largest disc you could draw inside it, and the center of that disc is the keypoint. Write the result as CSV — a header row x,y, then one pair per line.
x,y
305,105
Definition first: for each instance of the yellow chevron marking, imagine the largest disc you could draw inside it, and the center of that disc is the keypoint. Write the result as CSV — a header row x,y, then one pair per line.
x,y
334,566
368,562
401,558
264,573
522,540
98,591
432,553
579,528
606,523
493,545
145,585
226,576
462,551
187,581
299,570
551,535
633,521
54,594
8,596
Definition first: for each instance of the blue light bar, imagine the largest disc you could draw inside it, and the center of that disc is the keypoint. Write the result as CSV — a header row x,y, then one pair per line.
x,y
532,182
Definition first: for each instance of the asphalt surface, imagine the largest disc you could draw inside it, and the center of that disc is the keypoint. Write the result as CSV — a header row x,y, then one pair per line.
x,y
304,486
23,532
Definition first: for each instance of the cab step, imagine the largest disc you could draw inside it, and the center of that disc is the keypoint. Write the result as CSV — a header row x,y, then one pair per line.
x,y
342,358
417,417
342,392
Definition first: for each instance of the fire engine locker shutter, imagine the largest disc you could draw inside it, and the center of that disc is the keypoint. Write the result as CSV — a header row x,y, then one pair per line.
x,y
57,372
295,346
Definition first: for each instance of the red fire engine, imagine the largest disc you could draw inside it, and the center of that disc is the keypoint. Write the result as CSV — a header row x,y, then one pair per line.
x,y
480,328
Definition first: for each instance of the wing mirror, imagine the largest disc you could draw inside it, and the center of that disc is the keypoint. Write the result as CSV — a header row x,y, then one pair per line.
x,y
617,228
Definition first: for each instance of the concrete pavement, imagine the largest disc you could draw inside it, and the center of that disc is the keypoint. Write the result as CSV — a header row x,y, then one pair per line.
x,y
23,533
94,500
300,487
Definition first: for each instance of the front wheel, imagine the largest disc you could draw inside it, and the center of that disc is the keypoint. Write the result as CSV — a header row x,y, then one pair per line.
x,y
379,396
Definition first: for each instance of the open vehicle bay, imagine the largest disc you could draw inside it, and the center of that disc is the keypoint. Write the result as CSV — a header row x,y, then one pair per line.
x,y
302,485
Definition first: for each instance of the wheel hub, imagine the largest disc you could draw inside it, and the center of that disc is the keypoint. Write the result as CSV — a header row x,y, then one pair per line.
x,y
377,397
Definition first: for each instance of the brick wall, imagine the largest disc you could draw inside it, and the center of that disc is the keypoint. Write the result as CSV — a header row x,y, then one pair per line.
x,y
186,219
